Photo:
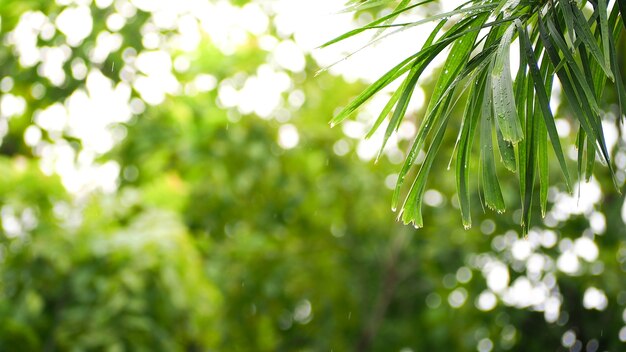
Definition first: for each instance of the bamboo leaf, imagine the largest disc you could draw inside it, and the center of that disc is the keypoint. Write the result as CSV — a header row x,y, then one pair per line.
x,y
384,112
588,89
405,26
569,21
622,11
403,4
604,31
619,83
542,161
591,158
491,185
396,95
411,208
503,97
584,32
580,145
507,151
543,100
526,155
439,100
375,24
426,55
542,165
468,129
374,88
581,111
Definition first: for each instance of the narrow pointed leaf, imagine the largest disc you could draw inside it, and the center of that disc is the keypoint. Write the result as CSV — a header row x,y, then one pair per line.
x,y
375,24
384,112
544,102
619,83
444,88
604,31
402,5
581,111
569,21
591,158
405,26
503,97
580,145
491,185
584,32
587,89
470,120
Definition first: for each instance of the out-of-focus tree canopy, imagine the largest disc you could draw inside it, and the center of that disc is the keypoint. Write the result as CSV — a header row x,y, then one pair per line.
x,y
170,182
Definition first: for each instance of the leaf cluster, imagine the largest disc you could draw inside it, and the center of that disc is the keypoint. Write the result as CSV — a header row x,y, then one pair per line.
x,y
572,41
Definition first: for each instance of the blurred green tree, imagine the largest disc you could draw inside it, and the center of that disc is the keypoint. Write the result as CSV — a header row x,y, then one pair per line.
x,y
210,224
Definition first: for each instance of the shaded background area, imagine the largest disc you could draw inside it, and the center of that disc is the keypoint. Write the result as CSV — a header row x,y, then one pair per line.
x,y
170,182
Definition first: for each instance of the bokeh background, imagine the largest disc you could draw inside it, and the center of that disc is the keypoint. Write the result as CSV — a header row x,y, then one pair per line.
x,y
169,182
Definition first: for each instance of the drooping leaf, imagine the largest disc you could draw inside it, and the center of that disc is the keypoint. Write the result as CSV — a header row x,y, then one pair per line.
x,y
584,32
490,183
503,97
439,100
543,100
468,129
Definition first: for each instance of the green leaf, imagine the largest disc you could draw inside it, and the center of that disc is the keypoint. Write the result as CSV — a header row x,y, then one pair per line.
x,y
580,145
526,156
524,103
542,158
404,26
569,21
604,31
384,112
588,90
440,98
376,23
619,83
412,208
622,11
591,158
356,5
507,151
584,32
543,100
490,183
503,97
468,129
589,120
408,87
424,56
402,5
542,164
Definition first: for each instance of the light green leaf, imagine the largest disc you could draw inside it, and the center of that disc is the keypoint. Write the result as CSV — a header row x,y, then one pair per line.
x,y
503,97
490,183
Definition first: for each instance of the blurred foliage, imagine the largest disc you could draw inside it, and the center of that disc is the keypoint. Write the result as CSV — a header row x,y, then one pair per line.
x,y
101,284
216,237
